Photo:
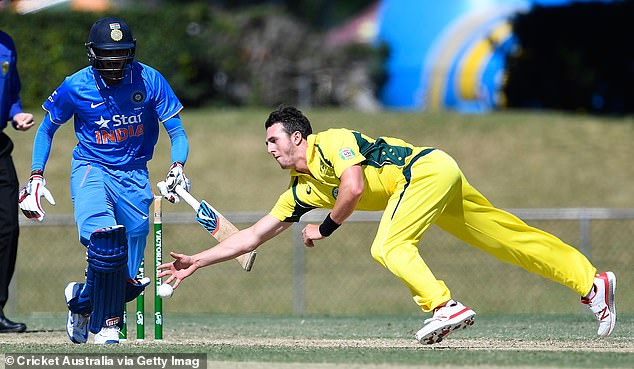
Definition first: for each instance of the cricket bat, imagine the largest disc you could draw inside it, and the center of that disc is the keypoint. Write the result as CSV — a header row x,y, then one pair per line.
x,y
214,222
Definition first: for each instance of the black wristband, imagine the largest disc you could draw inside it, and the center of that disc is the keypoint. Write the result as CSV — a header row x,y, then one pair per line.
x,y
328,226
37,172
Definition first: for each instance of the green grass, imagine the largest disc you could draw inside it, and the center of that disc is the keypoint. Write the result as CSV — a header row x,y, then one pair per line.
x,y
517,159
560,341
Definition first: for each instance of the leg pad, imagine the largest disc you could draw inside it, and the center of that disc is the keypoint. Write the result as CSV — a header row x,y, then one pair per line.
x,y
106,277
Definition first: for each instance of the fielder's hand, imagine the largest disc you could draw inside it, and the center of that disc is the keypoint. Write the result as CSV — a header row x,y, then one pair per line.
x,y
182,267
175,177
29,197
310,233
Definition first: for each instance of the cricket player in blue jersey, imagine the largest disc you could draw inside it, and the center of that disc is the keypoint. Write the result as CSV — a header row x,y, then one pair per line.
x,y
117,105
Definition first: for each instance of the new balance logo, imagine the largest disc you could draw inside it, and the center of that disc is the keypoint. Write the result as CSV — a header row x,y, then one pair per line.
x,y
93,105
603,313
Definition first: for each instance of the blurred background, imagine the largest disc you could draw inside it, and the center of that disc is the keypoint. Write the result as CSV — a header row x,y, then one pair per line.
x,y
534,98
463,55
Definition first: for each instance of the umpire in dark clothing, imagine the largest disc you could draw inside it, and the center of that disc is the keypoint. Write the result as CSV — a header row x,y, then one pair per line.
x,y
10,111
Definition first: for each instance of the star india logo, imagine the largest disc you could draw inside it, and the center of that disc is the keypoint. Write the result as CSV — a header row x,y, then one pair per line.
x,y
118,128
103,123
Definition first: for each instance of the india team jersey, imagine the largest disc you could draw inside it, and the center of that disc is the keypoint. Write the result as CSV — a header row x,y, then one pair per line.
x,y
118,125
384,162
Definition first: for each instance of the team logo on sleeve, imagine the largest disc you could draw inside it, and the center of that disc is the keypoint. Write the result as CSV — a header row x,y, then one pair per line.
x,y
5,67
346,153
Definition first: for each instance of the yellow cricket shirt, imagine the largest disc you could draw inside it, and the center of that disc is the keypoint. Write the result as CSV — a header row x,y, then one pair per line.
x,y
384,162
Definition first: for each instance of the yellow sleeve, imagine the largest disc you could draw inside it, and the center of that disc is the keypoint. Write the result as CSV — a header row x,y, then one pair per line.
x,y
289,208
284,206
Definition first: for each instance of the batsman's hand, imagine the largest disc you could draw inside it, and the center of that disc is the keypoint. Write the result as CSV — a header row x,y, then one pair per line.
x,y
175,177
29,197
169,196
182,267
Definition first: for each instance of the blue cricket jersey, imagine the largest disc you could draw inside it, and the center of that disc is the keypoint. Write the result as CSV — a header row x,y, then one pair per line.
x,y
116,126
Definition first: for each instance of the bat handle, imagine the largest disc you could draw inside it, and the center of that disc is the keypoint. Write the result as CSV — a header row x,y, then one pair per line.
x,y
247,260
180,191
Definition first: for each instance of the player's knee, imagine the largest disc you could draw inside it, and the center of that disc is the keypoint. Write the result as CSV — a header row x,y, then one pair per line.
x,y
141,230
377,253
108,248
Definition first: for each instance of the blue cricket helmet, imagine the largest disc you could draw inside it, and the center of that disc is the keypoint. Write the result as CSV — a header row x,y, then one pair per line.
x,y
106,35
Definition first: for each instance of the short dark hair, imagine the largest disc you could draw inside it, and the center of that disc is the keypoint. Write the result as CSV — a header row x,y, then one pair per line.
x,y
291,119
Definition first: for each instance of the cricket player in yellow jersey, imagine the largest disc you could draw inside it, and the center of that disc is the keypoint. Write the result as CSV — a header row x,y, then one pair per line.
x,y
416,187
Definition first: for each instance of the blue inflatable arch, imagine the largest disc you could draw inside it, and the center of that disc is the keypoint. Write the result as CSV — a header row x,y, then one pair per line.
x,y
448,54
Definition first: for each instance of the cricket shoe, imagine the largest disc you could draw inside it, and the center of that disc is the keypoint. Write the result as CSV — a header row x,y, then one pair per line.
x,y
76,324
107,335
446,319
602,303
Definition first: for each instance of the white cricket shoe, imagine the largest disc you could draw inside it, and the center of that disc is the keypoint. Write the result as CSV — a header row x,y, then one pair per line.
x,y
602,304
76,324
446,319
107,335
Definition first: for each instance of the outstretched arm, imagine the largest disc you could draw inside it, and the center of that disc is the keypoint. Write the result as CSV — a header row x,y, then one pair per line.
x,y
240,243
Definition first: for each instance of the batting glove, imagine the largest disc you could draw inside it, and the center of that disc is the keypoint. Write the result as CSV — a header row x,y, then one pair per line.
x,y
169,196
29,197
175,177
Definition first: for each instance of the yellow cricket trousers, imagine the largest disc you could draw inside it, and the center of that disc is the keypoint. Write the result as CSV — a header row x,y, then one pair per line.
x,y
433,190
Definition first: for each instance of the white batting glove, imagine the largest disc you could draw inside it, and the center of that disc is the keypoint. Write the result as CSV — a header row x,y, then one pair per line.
x,y
175,177
29,197
169,196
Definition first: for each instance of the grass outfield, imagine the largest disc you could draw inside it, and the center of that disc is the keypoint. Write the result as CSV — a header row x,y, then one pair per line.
x,y
531,341
516,159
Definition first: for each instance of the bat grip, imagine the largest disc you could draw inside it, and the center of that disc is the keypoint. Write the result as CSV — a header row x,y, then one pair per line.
x,y
180,191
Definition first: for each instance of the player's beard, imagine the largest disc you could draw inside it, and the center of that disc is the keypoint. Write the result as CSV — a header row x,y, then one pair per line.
x,y
286,160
